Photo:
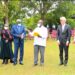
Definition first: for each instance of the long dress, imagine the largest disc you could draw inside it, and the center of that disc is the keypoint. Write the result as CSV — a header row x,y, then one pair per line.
x,y
6,47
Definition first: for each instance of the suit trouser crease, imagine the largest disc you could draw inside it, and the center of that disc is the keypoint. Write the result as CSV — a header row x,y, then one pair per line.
x,y
16,47
63,48
38,49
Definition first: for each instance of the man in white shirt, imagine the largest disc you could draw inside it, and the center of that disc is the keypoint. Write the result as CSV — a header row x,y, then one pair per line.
x,y
63,37
40,34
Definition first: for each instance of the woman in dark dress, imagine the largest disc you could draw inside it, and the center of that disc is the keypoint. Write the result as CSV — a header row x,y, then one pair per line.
x,y
6,45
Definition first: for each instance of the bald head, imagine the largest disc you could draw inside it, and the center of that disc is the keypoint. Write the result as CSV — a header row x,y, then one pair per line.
x,y
40,23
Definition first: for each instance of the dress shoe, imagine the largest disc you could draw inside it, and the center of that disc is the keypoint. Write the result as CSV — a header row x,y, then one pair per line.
x,y
65,63
21,63
35,64
14,63
11,61
3,61
60,63
6,61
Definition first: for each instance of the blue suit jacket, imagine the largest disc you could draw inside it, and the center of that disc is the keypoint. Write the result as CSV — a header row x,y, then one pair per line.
x,y
15,32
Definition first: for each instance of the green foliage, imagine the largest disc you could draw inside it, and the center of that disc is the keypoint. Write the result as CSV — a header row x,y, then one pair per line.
x,y
14,10
21,8
31,22
71,22
66,9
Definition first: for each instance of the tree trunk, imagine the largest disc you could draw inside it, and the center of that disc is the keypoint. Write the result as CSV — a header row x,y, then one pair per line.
x,y
5,19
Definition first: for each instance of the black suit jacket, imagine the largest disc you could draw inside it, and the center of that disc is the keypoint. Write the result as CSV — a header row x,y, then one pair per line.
x,y
65,35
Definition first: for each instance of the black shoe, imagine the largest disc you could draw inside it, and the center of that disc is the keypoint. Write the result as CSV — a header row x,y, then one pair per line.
x,y
21,63
6,61
11,61
14,63
3,61
61,64
35,64
65,63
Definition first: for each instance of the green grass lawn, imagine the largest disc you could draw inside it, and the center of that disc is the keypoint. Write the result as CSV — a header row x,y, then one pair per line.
x,y
50,67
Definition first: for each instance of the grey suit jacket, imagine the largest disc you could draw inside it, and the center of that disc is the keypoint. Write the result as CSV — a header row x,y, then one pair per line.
x,y
65,35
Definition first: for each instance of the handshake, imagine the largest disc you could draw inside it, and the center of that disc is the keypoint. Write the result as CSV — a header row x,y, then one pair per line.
x,y
21,36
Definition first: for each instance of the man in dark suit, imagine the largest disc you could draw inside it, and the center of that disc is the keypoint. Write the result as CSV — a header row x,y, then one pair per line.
x,y
18,32
63,39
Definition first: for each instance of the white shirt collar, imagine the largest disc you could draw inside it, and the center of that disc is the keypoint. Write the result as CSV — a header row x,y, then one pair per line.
x,y
19,24
40,27
63,25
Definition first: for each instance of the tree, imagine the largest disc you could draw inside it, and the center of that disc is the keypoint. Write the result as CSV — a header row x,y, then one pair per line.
x,y
30,11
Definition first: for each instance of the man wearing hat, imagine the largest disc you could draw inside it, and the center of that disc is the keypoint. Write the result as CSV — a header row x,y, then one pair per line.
x,y
18,32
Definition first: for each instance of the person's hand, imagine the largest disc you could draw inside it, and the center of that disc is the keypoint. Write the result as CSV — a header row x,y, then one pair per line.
x,y
74,40
58,42
6,41
10,37
22,36
28,30
67,43
39,36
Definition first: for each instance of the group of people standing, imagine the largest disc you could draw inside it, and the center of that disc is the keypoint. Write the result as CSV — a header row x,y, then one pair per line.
x,y
40,34
17,34
6,45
